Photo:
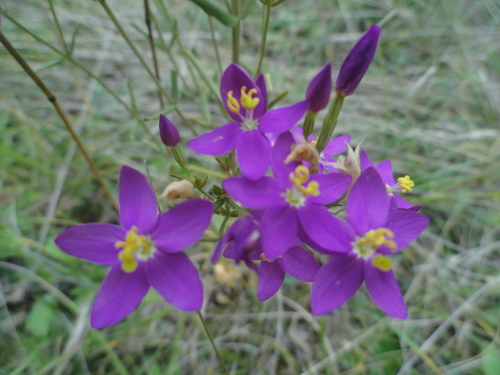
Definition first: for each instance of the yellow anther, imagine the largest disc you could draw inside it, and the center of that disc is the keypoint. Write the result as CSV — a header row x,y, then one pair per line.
x,y
301,176
232,103
135,246
406,184
378,237
246,99
264,259
381,262
314,143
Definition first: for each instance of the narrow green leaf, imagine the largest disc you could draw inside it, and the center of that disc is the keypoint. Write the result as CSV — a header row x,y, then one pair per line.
x,y
217,12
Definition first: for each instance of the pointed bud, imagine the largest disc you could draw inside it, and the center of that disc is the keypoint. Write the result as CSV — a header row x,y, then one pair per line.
x,y
319,89
357,62
168,132
178,189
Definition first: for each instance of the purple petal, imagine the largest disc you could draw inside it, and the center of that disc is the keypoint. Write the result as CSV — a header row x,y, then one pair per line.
x,y
182,225
233,79
218,141
332,187
278,231
384,168
368,202
169,133
271,278
260,194
119,295
357,62
282,119
406,226
261,84
176,278
299,263
365,161
325,230
400,202
138,205
281,150
319,89
336,145
252,153
335,283
93,241
384,291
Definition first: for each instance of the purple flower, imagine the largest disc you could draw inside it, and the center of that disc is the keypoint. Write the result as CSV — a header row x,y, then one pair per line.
x,y
145,250
373,232
169,133
319,89
246,103
384,169
291,203
357,62
242,242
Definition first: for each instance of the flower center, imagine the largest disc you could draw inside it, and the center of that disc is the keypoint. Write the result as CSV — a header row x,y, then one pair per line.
x,y
247,102
404,184
366,246
135,247
298,193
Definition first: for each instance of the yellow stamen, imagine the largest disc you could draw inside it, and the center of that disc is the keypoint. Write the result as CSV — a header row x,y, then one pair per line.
x,y
314,143
246,98
263,258
301,176
135,246
381,262
406,183
232,103
378,237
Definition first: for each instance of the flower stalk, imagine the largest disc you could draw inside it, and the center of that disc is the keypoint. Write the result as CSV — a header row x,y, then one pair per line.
x,y
330,122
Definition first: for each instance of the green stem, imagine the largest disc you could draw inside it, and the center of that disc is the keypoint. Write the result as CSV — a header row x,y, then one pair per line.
x,y
58,26
309,124
212,342
216,48
153,47
235,5
267,16
51,97
330,122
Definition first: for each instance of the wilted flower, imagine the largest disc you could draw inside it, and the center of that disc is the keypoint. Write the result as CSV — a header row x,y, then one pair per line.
x,y
357,62
178,189
169,133
246,103
362,247
146,250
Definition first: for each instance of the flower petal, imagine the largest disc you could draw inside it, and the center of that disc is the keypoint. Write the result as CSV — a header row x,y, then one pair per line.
x,y
384,169
365,161
324,229
119,295
282,148
282,119
278,231
261,84
336,145
406,225
233,79
218,141
182,225
299,263
332,187
271,278
177,280
260,194
93,241
384,291
335,283
252,153
368,202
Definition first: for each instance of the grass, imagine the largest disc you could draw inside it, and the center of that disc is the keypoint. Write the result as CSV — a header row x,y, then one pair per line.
x,y
430,103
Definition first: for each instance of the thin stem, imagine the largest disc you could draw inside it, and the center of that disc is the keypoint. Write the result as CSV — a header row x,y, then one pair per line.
x,y
236,31
58,26
212,342
267,16
216,48
153,47
330,122
51,97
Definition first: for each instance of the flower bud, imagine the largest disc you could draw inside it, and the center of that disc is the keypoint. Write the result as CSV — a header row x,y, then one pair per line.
x,y
178,189
357,62
168,132
319,89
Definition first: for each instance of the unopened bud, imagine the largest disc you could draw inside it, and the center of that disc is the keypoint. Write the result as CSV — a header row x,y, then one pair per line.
x,y
178,189
357,62
169,133
319,89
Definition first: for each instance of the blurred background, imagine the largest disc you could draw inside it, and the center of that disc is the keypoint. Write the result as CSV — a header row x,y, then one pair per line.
x,y
429,102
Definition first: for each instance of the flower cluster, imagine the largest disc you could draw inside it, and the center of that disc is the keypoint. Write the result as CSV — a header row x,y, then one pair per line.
x,y
287,188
